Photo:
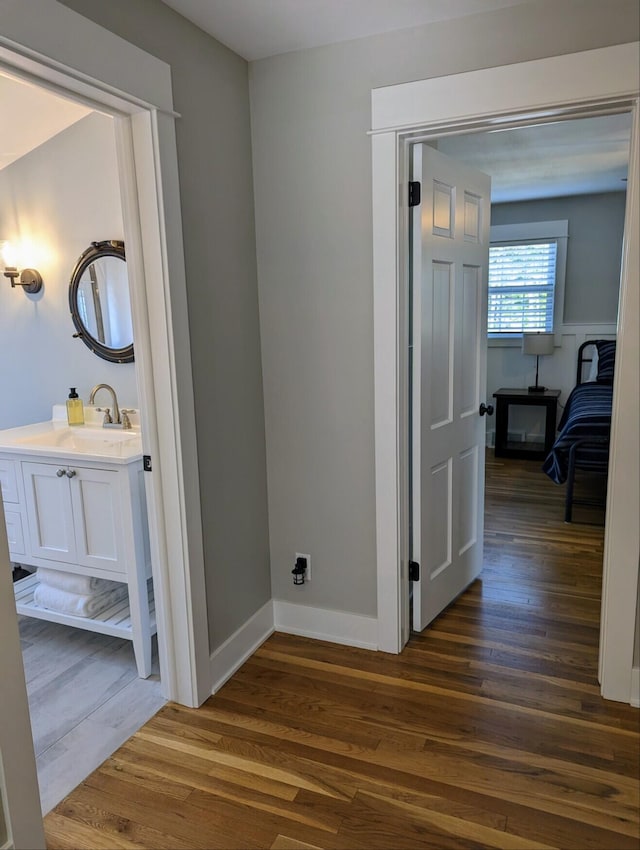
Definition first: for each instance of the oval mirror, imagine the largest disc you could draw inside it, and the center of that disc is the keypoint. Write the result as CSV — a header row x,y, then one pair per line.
x,y
99,301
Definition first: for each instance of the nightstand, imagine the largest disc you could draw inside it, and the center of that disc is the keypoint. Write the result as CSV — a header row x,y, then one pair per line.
x,y
506,397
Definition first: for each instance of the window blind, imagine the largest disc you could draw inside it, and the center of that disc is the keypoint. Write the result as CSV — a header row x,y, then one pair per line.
x,y
522,279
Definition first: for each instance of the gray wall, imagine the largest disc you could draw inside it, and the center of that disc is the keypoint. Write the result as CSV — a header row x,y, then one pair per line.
x,y
594,249
310,112
214,158
63,195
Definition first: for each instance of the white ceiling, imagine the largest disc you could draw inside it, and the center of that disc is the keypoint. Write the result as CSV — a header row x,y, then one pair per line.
x,y
562,158
566,158
579,157
256,29
29,116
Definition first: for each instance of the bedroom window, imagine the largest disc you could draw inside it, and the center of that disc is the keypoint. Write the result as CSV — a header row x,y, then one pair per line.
x,y
526,278
522,281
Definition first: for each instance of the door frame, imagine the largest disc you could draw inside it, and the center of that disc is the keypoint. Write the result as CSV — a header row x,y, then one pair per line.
x,y
60,50
557,88
19,795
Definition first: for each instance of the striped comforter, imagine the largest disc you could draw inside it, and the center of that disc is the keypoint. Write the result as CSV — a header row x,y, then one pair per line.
x,y
587,414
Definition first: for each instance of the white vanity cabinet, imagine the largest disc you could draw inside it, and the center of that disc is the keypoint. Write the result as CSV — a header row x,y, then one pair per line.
x,y
75,515
85,516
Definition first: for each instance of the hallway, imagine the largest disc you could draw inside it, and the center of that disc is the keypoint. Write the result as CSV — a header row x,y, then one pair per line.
x,y
488,730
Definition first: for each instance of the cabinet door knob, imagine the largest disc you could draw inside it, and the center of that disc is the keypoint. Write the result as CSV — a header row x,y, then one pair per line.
x,y
71,473
60,473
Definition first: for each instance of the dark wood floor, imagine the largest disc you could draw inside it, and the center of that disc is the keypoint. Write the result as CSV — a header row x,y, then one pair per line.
x,y
488,731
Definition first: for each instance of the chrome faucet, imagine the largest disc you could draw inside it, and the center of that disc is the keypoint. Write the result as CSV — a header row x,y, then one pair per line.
x,y
109,419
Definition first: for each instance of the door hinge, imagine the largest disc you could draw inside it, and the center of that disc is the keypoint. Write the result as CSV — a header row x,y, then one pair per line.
x,y
414,571
414,193
146,463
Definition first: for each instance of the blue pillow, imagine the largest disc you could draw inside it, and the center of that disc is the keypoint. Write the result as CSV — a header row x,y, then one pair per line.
x,y
606,360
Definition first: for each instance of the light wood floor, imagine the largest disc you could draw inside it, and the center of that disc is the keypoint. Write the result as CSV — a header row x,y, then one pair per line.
x,y
85,700
488,731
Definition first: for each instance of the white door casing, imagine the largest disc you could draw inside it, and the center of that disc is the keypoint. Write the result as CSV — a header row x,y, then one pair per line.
x,y
559,87
449,292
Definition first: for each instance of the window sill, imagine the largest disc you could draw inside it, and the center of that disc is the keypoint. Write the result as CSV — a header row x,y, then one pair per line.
x,y
504,342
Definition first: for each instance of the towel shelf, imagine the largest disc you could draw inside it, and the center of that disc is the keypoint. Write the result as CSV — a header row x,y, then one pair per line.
x,y
115,621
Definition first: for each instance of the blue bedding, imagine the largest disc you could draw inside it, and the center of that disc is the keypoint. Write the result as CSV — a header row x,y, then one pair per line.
x,y
587,416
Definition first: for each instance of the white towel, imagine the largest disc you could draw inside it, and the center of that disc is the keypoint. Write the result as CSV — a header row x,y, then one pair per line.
x,y
88,605
72,583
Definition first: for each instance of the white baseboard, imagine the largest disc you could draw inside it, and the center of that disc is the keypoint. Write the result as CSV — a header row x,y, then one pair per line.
x,y
635,687
323,624
243,643
293,619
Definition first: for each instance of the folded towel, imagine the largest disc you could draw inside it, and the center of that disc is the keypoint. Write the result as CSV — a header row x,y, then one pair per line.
x,y
77,604
72,583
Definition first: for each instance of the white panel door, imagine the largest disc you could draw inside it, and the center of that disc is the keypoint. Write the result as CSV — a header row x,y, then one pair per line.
x,y
450,255
20,817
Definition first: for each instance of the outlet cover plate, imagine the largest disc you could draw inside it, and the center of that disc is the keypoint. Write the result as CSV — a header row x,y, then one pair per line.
x,y
307,574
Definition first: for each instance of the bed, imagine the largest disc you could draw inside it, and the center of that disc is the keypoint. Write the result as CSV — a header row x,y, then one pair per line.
x,y
584,428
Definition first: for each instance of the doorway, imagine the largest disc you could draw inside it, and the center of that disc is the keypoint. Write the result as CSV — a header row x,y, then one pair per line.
x,y
557,219
135,89
59,187
499,97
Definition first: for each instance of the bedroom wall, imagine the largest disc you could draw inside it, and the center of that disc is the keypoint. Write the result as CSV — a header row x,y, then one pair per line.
x,y
594,249
312,166
592,285
213,134
63,195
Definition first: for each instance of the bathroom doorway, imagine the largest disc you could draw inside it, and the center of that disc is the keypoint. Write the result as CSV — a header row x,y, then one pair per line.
x,y
59,193
118,79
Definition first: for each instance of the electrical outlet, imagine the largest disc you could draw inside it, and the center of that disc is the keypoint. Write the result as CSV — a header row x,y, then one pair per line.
x,y
307,574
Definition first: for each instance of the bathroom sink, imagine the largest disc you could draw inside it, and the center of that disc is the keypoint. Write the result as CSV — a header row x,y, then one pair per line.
x,y
79,439
90,442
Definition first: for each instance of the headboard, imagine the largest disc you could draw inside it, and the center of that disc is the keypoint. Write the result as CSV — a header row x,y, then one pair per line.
x,y
588,353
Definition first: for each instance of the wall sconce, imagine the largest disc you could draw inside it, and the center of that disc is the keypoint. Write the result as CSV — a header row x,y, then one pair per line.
x,y
540,344
29,279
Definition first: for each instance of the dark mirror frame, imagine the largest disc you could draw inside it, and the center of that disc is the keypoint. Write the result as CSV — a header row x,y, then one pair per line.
x,y
108,248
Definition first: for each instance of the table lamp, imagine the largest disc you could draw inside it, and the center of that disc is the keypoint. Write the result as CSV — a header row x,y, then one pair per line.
x,y
537,343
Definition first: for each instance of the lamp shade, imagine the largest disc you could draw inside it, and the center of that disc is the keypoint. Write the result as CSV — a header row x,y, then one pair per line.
x,y
537,343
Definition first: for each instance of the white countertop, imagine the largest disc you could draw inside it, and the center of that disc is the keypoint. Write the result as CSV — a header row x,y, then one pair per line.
x,y
76,442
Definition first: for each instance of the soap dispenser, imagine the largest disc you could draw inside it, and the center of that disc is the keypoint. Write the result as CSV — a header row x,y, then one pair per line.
x,y
75,408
